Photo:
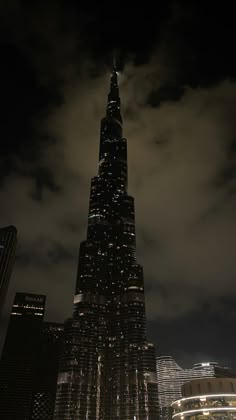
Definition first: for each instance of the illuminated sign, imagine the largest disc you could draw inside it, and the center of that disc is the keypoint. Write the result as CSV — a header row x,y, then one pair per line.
x,y
34,299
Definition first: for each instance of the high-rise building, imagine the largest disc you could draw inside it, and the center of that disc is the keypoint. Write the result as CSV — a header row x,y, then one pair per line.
x,y
108,367
21,353
171,377
45,372
211,369
8,239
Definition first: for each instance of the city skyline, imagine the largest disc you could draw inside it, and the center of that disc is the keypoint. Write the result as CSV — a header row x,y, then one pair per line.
x,y
171,377
179,99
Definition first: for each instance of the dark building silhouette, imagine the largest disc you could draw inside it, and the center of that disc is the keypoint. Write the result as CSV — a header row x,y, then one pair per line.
x,y
108,367
21,353
46,369
8,239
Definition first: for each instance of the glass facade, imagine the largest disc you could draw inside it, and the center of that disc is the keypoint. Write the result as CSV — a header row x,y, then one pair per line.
x,y
8,239
21,353
45,372
30,361
108,368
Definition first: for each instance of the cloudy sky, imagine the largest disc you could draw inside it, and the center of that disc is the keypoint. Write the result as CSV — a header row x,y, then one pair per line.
x,y
178,92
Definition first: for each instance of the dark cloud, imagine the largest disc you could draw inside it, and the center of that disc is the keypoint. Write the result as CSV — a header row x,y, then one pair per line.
x,y
178,103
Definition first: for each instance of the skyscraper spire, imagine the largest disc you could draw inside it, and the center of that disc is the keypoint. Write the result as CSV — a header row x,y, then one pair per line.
x,y
108,370
113,104
114,60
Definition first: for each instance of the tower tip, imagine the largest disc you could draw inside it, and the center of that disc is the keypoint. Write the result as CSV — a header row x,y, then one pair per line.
x,y
114,61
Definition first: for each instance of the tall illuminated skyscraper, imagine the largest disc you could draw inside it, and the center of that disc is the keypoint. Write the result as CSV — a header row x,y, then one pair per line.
x,y
8,239
108,367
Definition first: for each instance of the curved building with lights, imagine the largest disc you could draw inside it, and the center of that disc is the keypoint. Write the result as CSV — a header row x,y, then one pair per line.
x,y
171,377
207,399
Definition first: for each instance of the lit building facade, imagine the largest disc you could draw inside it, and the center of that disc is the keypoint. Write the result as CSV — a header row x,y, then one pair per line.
x,y
8,240
171,377
20,356
108,367
207,399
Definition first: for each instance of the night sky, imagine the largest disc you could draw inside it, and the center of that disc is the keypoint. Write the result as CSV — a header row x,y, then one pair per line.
x,y
178,93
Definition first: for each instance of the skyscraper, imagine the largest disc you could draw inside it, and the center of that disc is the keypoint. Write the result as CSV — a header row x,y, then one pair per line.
x,y
7,255
108,368
20,355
